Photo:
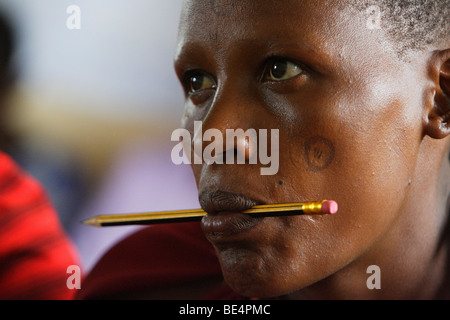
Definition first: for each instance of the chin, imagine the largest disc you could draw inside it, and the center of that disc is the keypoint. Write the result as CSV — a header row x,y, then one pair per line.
x,y
252,274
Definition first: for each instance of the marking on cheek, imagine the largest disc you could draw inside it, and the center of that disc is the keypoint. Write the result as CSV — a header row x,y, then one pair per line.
x,y
213,36
223,8
318,153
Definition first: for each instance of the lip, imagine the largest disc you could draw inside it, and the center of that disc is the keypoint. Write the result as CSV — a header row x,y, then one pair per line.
x,y
224,219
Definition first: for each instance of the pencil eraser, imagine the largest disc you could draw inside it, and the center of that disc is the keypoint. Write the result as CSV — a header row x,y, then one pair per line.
x,y
329,207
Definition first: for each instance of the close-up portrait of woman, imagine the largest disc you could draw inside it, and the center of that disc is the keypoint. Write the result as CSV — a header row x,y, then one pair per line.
x,y
312,139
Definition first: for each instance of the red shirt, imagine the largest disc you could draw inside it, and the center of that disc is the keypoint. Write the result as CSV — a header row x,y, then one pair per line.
x,y
156,257
34,249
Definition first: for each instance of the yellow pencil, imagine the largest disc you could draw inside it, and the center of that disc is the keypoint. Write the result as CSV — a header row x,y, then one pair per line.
x,y
312,207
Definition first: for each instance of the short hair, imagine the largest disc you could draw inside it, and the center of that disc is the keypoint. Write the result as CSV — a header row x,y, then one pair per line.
x,y
6,47
413,24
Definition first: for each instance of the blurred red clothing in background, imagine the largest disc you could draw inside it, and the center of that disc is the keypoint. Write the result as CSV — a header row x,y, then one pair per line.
x,y
35,251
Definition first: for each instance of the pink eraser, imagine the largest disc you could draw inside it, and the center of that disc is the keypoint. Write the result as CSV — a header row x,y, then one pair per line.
x,y
329,207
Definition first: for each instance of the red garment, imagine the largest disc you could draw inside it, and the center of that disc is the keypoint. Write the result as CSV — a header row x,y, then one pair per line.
x,y
34,250
155,257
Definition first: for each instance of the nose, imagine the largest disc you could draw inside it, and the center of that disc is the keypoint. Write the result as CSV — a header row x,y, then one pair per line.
x,y
226,146
225,135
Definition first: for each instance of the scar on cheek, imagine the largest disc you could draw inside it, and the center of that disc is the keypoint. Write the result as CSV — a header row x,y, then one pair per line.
x,y
318,153
223,8
213,36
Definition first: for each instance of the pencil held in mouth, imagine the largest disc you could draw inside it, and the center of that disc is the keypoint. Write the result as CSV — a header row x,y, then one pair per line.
x,y
272,210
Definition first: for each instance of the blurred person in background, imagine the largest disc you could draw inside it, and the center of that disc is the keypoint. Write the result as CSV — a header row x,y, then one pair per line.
x,y
35,252
52,164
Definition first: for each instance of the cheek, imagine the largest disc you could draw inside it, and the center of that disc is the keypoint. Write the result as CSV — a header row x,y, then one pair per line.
x,y
372,176
374,159
349,149
363,163
377,154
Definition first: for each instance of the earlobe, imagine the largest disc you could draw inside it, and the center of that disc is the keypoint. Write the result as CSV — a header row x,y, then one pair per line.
x,y
438,124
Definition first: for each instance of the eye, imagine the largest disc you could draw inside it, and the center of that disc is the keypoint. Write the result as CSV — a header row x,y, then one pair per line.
x,y
280,69
198,81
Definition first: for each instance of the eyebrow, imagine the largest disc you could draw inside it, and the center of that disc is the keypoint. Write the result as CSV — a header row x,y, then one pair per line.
x,y
187,53
311,55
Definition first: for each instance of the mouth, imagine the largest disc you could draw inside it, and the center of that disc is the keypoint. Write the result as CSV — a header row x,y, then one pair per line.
x,y
225,219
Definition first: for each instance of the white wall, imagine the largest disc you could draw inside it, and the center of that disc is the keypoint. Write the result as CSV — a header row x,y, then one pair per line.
x,y
121,58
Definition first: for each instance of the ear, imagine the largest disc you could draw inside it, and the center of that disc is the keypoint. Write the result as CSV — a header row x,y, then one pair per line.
x,y
438,125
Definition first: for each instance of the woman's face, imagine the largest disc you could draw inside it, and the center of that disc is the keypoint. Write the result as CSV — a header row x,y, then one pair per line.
x,y
349,120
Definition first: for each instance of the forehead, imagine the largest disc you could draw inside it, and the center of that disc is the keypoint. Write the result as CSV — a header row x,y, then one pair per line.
x,y
329,35
318,23
260,10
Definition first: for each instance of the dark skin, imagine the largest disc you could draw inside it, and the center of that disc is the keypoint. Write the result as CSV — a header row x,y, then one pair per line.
x,y
357,125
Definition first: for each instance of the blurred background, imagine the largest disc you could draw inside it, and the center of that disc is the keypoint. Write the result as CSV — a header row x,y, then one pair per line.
x,y
92,110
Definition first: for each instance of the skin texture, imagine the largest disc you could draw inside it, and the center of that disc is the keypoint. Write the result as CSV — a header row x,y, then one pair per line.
x,y
358,125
